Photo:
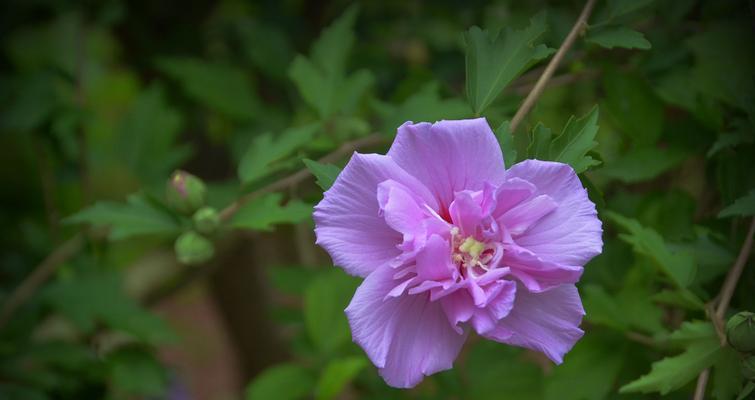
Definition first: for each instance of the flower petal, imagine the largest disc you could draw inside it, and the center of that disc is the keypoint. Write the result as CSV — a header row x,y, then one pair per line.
x,y
536,274
572,233
547,322
407,337
449,156
347,221
519,218
434,260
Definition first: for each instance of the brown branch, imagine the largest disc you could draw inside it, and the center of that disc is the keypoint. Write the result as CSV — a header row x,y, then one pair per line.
x,y
727,291
560,80
40,274
534,95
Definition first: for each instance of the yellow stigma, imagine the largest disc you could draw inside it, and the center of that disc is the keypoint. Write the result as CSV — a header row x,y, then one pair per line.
x,y
472,247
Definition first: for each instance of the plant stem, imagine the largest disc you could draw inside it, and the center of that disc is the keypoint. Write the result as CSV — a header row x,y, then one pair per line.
x,y
534,95
727,291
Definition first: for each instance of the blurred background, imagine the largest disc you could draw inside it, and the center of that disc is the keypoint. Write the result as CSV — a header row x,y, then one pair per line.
x,y
101,101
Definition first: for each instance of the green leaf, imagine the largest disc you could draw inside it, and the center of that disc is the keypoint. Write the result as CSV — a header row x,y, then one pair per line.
x,y
337,374
135,372
619,37
498,372
749,388
631,308
138,216
493,60
324,302
263,212
642,164
742,207
679,267
508,143
261,156
618,8
589,369
572,146
281,382
727,378
633,105
326,174
424,105
321,78
741,135
220,87
672,373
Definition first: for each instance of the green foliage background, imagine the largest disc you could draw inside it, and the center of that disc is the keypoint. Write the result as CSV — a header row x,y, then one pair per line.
x,y
101,101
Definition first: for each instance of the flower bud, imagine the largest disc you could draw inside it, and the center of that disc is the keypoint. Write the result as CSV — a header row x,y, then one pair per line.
x,y
185,192
748,368
206,220
740,332
192,248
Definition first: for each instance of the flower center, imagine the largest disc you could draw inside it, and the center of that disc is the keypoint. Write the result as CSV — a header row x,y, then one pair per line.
x,y
469,254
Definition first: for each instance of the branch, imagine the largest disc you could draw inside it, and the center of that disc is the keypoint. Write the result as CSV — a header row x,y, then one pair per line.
x,y
532,98
727,291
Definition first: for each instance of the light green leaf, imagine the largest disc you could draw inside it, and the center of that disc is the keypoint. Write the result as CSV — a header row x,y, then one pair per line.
x,y
281,382
138,216
642,164
324,301
321,78
326,174
572,146
493,60
679,267
742,207
672,373
263,212
337,374
632,104
135,372
261,156
619,37
220,87
424,105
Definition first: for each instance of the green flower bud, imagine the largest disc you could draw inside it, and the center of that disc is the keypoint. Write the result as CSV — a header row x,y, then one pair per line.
x,y
748,368
185,192
192,248
206,220
740,332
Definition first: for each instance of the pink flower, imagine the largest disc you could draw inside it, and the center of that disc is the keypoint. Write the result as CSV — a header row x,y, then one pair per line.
x,y
448,240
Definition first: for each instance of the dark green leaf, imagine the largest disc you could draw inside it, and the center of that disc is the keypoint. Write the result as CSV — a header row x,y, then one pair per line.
x,y
493,60
424,105
324,302
572,146
265,211
631,102
742,207
261,156
727,378
619,37
135,372
336,375
281,382
138,216
642,164
326,174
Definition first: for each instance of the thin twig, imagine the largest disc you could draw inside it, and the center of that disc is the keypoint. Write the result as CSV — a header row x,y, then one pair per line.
x,y
300,175
727,291
560,80
40,274
531,99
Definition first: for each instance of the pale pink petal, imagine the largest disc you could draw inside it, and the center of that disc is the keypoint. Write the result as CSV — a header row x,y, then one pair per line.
x,y
449,156
512,192
434,260
547,322
572,233
347,221
407,337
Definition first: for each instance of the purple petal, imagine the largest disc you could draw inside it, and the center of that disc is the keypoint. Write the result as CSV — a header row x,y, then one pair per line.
x,y
511,193
347,221
536,274
518,219
401,208
434,261
449,156
547,322
571,234
407,337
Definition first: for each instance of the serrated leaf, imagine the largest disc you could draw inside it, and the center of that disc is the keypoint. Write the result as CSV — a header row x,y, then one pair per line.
x,y
742,207
266,149
424,105
619,37
493,60
572,146
642,164
220,87
672,373
321,79
136,217
326,174
679,267
508,144
263,212
336,375
281,382
324,301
